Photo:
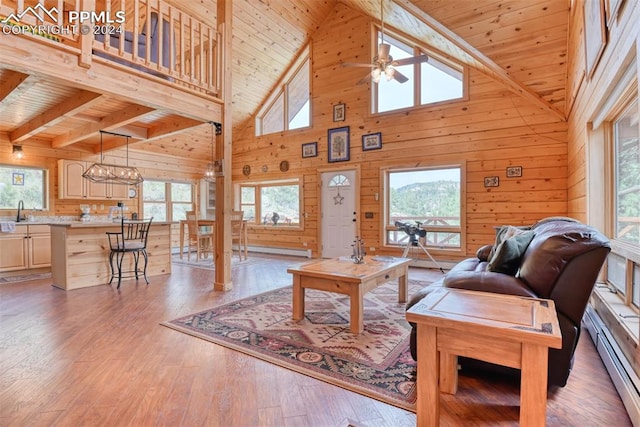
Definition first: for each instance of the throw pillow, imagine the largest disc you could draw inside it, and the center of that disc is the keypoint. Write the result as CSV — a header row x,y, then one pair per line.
x,y
506,258
505,232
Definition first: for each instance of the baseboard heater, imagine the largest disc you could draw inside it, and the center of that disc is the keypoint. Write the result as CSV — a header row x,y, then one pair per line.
x,y
622,375
280,251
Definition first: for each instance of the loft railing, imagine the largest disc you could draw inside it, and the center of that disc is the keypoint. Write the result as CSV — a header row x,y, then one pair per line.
x,y
148,36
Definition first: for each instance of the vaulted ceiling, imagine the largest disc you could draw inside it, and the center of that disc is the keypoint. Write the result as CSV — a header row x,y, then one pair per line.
x,y
521,43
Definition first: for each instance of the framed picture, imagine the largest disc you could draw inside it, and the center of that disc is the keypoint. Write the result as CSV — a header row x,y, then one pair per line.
x,y
309,149
491,181
17,178
514,171
594,34
339,113
372,141
338,144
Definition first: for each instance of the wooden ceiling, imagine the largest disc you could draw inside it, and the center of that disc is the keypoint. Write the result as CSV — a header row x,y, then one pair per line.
x,y
522,43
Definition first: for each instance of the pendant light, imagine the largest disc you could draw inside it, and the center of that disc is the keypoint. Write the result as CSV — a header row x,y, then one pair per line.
x,y
215,167
113,174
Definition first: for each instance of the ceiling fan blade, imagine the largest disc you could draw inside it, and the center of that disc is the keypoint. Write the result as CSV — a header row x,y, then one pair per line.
x,y
401,78
364,80
383,51
355,64
412,60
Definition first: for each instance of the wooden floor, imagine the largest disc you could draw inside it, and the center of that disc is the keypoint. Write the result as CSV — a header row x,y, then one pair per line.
x,y
99,357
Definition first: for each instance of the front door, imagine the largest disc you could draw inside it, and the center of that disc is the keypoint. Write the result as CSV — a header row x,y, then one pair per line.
x,y
339,214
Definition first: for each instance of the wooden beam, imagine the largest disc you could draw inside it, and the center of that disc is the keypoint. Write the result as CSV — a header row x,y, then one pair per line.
x,y
168,128
53,115
224,189
38,59
115,120
10,83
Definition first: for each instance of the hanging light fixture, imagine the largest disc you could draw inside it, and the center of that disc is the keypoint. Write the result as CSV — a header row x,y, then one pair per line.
x,y
214,168
17,153
210,173
113,174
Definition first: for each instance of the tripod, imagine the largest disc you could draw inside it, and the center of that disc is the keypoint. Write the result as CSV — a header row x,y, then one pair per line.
x,y
415,242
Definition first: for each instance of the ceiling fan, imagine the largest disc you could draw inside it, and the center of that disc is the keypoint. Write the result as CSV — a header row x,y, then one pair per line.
x,y
383,63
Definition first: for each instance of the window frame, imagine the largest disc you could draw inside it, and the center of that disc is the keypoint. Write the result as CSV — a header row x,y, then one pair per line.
x,y
45,187
417,87
168,202
281,94
258,185
387,227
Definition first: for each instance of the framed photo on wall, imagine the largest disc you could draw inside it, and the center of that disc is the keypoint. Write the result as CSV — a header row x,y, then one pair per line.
x,y
339,113
309,149
338,142
372,141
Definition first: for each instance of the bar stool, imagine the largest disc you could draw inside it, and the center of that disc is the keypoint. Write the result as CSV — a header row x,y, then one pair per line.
x,y
132,239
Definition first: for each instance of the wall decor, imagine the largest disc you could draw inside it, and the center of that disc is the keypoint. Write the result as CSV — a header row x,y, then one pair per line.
x,y
491,181
514,171
265,168
284,166
246,170
339,113
338,144
309,149
17,178
372,141
594,34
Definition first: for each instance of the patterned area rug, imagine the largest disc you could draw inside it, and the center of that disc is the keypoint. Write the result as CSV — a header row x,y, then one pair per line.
x,y
375,363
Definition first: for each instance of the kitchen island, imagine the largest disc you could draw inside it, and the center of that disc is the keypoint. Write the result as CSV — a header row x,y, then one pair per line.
x,y
80,253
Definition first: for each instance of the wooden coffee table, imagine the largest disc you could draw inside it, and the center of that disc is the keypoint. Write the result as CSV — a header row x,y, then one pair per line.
x,y
502,329
343,276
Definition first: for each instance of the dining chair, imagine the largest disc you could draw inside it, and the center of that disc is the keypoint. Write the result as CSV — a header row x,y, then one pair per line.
x,y
132,238
237,233
199,237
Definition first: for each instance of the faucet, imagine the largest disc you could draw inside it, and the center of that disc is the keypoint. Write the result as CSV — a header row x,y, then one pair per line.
x,y
20,208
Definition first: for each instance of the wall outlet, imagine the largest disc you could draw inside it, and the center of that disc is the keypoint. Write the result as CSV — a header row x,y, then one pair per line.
x,y
304,243
372,249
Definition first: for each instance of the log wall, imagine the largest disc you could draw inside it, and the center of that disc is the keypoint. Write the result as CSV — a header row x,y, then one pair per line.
x,y
492,129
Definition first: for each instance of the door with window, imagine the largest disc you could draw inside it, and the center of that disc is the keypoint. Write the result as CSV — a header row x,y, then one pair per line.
x,y
338,223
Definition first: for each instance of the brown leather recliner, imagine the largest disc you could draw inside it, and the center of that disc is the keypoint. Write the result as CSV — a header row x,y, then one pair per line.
x,y
561,263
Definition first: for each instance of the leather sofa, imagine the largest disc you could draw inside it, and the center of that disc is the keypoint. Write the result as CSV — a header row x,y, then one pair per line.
x,y
561,262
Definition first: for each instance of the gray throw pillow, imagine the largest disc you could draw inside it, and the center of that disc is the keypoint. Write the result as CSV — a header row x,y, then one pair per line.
x,y
506,258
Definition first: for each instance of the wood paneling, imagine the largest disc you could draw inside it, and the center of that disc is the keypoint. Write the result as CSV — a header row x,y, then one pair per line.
x,y
489,131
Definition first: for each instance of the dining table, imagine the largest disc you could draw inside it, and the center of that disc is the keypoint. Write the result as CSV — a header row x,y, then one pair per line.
x,y
210,222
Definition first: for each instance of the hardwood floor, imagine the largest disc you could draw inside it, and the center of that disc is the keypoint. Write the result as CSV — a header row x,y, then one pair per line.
x,y
99,357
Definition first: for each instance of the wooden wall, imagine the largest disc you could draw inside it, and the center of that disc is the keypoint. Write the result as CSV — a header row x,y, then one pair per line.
x,y
151,165
485,133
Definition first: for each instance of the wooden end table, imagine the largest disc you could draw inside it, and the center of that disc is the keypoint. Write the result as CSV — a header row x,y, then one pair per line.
x,y
343,276
502,329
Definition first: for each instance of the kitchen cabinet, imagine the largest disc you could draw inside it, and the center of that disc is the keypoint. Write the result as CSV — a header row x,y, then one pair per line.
x,y
28,247
71,184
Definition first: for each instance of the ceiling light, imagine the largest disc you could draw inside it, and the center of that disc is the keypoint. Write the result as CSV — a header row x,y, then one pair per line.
x,y
18,154
113,174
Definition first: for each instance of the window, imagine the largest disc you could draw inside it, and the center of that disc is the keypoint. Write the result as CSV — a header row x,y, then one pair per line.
x,y
166,201
433,81
23,183
427,198
623,264
272,203
289,106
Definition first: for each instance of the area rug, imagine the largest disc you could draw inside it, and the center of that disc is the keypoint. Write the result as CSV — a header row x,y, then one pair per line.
x,y
25,277
376,363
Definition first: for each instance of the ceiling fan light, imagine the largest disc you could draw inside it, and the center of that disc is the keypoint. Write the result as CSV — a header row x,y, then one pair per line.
x,y
375,74
389,72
